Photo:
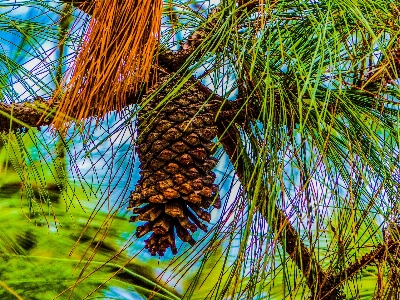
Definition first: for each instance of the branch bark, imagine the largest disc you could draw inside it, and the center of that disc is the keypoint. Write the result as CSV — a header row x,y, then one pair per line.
x,y
17,116
377,254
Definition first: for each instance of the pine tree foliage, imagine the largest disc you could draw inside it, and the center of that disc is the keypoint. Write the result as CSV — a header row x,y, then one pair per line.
x,y
301,96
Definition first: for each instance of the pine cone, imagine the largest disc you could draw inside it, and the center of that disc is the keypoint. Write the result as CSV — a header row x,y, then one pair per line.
x,y
176,187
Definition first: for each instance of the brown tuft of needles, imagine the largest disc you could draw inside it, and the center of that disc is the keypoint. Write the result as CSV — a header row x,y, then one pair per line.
x,y
114,60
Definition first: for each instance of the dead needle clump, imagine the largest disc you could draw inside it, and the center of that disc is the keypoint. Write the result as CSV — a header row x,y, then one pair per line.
x,y
114,60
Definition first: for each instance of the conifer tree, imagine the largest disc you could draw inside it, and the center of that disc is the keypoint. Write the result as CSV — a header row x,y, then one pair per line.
x,y
302,98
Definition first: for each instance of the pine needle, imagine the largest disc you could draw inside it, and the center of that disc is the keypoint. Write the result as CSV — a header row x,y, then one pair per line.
x,y
114,61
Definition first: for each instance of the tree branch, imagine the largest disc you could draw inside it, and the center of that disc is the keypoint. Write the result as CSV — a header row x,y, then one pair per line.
x,y
316,279
17,116
377,254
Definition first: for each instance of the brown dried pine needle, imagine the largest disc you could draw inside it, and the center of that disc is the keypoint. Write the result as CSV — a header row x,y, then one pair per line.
x,y
114,60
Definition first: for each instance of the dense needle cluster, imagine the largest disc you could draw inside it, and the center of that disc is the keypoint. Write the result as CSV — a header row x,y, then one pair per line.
x,y
176,187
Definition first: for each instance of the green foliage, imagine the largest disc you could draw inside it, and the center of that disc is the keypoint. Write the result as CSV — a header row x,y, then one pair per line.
x,y
316,85
38,257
